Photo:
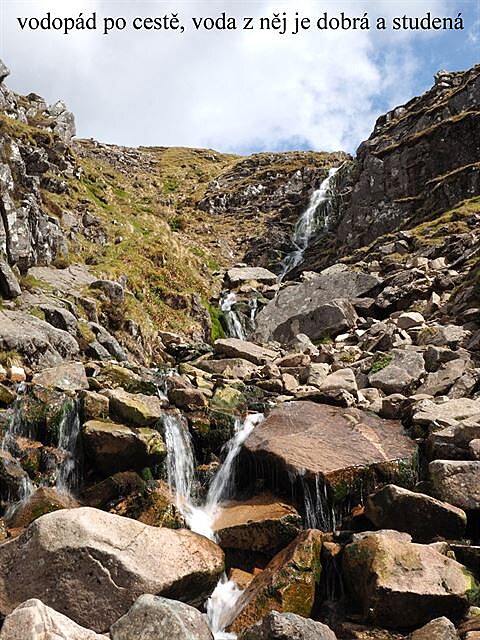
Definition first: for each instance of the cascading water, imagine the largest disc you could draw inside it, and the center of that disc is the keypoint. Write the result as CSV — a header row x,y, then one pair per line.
x,y
201,518
234,326
316,215
68,475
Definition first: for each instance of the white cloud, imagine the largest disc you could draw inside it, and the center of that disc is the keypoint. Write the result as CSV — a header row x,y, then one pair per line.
x,y
231,90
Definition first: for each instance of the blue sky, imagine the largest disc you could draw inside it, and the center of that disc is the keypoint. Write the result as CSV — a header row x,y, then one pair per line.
x,y
235,91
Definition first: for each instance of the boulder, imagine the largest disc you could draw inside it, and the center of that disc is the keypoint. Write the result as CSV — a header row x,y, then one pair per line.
x,y
437,414
261,523
113,447
287,626
403,369
238,275
229,399
423,517
320,445
307,307
74,559
187,398
457,482
60,318
135,408
403,584
235,348
231,367
438,629
153,618
9,287
441,381
410,320
43,500
70,376
32,620
287,584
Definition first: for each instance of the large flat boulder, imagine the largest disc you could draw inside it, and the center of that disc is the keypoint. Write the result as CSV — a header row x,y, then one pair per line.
x,y
457,482
236,348
287,584
137,409
239,275
321,444
70,376
32,620
92,566
296,308
398,583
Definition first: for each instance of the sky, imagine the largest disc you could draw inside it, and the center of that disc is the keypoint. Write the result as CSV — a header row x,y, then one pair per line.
x,y
236,90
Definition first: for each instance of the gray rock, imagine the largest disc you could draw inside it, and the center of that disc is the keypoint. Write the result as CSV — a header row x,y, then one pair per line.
x,y
4,71
60,318
442,380
307,307
152,617
235,348
109,342
410,320
457,482
74,559
403,584
32,620
401,374
423,517
113,290
67,377
449,335
35,340
434,414
237,275
287,626
9,286
439,629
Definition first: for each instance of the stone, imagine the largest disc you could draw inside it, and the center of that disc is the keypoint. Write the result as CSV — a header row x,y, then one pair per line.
x,y
403,584
75,558
95,406
238,275
70,376
317,373
32,620
441,381
448,335
324,444
187,398
410,320
229,399
9,286
293,360
235,348
340,379
434,414
135,408
112,489
7,395
457,482
287,626
113,290
261,523
152,617
43,500
287,584
230,367
474,449
438,629
4,71
308,308
113,447
423,517
39,344
401,373
60,318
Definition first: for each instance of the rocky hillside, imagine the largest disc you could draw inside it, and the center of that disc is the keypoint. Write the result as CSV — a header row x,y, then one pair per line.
x,y
240,397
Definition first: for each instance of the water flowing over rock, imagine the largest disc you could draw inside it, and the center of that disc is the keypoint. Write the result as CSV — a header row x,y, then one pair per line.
x,y
107,558
332,453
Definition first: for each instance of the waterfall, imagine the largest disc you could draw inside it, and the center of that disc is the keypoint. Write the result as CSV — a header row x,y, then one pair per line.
x,y
234,326
201,518
317,213
68,475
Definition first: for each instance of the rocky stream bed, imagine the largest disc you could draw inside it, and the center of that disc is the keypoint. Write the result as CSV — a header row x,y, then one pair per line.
x,y
308,467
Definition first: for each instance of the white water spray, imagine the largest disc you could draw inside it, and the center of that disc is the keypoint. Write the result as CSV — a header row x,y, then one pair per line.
x,y
201,518
234,326
68,477
308,223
